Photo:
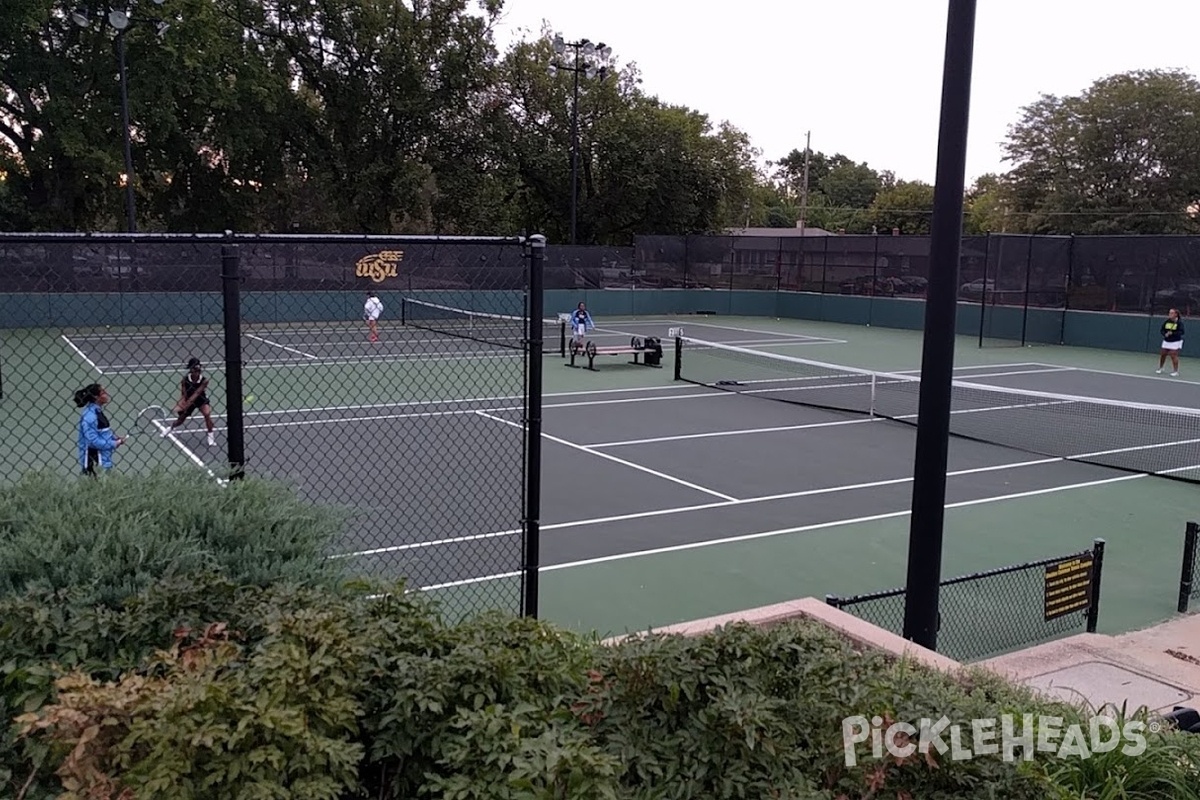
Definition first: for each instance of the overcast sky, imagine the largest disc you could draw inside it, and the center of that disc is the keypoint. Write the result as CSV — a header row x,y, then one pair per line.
x,y
865,75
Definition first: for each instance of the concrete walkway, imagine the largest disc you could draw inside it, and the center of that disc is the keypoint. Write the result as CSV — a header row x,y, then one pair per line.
x,y
1158,667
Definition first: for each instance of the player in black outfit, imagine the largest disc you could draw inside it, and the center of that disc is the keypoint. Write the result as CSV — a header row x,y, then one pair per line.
x,y
193,396
1172,342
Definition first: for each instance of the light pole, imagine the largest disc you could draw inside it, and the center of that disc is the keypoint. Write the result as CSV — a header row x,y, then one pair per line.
x,y
585,51
120,22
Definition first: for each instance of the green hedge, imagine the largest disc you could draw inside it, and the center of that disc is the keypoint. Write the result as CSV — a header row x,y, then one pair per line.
x,y
245,669
114,536
312,692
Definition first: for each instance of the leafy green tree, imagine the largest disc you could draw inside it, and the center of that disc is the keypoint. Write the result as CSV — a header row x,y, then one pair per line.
x,y
645,166
908,206
1121,157
988,206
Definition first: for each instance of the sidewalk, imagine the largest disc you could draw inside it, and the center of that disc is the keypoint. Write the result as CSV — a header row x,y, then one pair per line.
x,y
1158,667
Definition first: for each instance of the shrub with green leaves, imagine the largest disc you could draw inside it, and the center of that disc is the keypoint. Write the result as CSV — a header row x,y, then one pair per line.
x,y
110,538
304,691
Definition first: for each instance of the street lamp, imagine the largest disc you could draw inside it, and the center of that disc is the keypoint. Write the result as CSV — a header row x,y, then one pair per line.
x,y
120,21
585,52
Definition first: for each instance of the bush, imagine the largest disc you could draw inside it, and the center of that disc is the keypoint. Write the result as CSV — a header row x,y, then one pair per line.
x,y
96,574
108,539
303,691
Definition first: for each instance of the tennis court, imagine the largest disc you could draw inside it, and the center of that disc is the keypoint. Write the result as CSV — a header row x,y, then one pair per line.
x,y
665,500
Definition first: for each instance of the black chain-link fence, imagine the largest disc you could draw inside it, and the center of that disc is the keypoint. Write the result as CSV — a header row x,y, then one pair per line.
x,y
390,377
989,613
1189,578
1006,274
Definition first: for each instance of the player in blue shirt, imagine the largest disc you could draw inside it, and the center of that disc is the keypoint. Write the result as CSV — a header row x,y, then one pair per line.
x,y
96,439
581,323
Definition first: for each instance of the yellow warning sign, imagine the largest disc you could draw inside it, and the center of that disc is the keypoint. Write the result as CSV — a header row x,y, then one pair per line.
x,y
1068,587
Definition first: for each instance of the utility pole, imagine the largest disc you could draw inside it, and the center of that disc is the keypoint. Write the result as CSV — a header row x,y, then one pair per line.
x,y
804,190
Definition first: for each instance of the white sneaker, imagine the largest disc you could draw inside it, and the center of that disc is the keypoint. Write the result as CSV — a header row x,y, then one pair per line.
x,y
1174,374
211,440
1158,371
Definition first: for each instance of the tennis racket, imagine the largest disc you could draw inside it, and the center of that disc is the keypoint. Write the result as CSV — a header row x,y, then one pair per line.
x,y
152,420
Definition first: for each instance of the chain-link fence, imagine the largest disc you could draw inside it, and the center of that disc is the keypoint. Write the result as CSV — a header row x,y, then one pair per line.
x,y
1007,275
392,378
989,613
1189,578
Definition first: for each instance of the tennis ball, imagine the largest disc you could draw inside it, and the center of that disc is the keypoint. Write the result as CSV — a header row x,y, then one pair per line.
x,y
249,399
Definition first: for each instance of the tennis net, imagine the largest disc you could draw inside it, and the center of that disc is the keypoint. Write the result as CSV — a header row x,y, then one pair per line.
x,y
502,330
1133,437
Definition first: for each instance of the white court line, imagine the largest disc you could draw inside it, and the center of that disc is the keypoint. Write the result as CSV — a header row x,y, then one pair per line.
x,y
798,529
614,459
1166,378
693,391
187,451
79,353
713,434
696,393
302,423
682,324
965,367
662,512
796,343
453,412
280,363
803,493
280,346
972,376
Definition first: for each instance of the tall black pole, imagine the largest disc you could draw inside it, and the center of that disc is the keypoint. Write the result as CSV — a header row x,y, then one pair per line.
x,y
533,430
130,214
574,145
937,361
231,289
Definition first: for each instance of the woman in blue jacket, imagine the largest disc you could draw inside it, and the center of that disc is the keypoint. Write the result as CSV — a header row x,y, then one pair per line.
x,y
96,439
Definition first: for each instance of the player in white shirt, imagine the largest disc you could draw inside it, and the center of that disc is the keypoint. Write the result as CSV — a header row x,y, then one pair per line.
x,y
371,311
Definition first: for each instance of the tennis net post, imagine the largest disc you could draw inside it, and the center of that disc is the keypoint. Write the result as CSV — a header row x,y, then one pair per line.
x,y
1189,581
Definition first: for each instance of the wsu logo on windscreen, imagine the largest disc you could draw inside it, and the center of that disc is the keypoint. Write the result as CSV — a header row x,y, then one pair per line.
x,y
380,266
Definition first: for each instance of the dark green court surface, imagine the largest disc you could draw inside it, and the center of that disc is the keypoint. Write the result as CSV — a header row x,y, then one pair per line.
x,y
662,501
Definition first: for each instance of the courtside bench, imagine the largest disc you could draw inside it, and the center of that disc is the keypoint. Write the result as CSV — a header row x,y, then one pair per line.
x,y
646,353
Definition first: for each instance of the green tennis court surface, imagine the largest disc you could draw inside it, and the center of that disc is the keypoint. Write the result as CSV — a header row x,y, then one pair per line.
x,y
662,501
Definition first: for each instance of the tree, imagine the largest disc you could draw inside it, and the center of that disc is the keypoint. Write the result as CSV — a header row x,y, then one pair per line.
x,y
908,205
988,207
840,190
645,166
1119,158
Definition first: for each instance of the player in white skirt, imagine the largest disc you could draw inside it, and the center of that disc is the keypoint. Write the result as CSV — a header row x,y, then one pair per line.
x,y
581,323
371,311
1172,342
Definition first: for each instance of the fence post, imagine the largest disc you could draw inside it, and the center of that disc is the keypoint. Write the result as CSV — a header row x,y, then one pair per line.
x,y
1093,614
678,355
1186,585
231,290
533,428
987,257
1025,306
1062,320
